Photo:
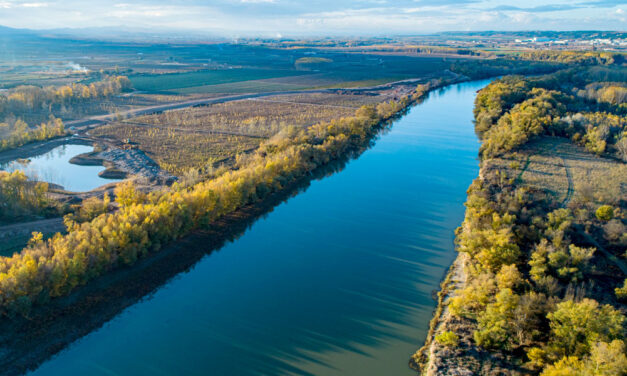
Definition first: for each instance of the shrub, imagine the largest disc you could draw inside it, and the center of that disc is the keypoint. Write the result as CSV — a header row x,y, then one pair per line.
x,y
605,213
621,292
448,339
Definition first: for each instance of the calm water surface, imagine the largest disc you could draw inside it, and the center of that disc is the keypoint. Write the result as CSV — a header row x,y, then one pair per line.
x,y
336,281
55,167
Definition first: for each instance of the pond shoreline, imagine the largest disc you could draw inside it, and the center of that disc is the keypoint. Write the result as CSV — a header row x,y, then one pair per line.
x,y
118,163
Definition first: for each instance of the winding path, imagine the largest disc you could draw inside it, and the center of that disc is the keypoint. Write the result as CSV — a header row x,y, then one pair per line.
x,y
571,186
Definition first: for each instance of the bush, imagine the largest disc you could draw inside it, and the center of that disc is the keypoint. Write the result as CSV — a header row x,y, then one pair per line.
x,y
448,339
621,292
605,213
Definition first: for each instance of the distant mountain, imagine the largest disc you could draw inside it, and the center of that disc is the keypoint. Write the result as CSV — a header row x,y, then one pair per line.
x,y
112,34
14,33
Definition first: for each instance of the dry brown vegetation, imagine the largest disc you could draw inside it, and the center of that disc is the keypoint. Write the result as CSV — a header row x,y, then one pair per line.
x,y
177,150
204,137
257,117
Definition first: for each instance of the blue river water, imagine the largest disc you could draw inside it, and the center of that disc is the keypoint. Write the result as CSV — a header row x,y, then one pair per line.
x,y
338,280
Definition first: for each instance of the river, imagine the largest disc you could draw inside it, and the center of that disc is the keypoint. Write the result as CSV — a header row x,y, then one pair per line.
x,y
338,280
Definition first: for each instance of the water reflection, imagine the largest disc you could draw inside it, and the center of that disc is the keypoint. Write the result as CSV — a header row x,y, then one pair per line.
x,y
337,281
54,167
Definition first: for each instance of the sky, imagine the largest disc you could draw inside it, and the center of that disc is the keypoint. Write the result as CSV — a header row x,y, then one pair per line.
x,y
317,17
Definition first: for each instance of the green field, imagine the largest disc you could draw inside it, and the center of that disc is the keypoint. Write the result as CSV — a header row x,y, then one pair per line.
x,y
164,82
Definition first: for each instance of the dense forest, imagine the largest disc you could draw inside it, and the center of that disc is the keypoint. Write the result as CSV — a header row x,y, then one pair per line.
x,y
535,295
585,105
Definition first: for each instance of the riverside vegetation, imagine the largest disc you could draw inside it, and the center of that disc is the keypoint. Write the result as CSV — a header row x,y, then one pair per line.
x,y
539,285
145,222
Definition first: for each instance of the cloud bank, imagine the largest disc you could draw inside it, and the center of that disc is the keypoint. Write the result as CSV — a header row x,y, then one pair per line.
x,y
324,17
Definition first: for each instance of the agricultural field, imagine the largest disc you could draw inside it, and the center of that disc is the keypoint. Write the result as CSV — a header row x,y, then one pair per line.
x,y
165,82
207,136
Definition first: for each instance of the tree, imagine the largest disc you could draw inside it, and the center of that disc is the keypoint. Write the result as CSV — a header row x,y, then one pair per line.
x,y
567,366
126,194
473,298
605,213
621,292
576,327
494,329
606,359
509,277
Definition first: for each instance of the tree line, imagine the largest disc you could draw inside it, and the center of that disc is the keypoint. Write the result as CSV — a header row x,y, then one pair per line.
x,y
33,98
20,133
22,197
514,110
573,57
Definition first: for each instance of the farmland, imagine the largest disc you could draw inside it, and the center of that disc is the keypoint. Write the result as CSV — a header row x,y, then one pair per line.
x,y
169,81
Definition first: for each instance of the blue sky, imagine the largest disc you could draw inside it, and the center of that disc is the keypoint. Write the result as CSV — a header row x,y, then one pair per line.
x,y
317,17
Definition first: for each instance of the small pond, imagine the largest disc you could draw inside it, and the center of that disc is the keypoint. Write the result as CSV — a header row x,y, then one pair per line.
x,y
55,167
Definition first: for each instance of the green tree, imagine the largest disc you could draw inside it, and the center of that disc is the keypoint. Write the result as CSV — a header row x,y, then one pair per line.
x,y
605,213
577,326
621,292
494,325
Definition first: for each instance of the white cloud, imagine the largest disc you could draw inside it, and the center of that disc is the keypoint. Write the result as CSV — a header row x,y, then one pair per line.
x,y
295,17
34,5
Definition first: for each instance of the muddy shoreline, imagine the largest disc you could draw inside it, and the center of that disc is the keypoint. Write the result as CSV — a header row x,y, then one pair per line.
x,y
34,149
119,163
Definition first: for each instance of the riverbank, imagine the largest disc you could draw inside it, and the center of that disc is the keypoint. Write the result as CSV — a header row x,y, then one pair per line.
x,y
28,341
89,307
465,358
539,259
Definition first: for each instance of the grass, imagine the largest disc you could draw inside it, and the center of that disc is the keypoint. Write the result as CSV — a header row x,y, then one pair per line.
x,y
595,180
